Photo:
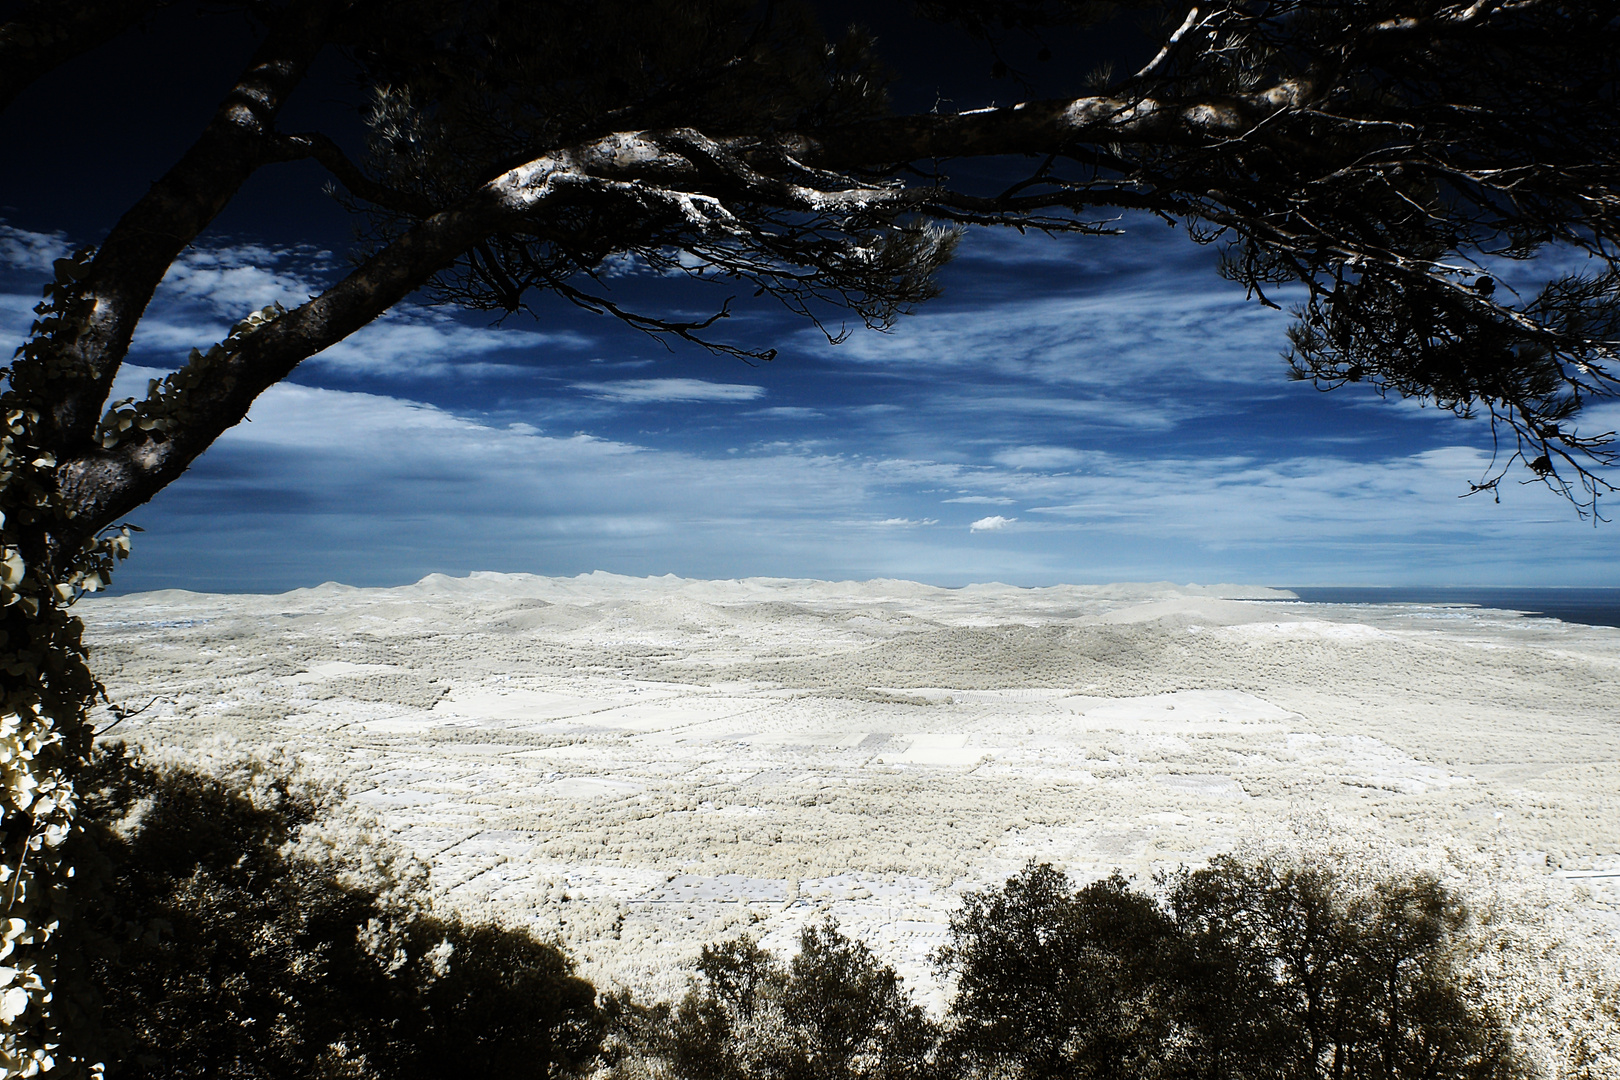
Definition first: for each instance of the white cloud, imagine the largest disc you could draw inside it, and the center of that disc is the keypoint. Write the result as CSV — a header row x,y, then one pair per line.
x,y
791,412
33,251
1419,409
1599,419
209,289
1140,339
1045,457
16,315
367,488
358,486
642,391
419,343
407,343
1237,500
1159,415
1148,248
375,487
234,280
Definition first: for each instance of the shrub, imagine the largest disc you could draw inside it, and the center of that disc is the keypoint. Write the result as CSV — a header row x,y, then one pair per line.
x,y
505,1005
1250,971
834,1013
1057,982
237,924
1286,968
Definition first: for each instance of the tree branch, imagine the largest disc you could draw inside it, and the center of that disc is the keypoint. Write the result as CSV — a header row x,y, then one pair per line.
x,y
1336,191
1044,127
107,482
315,145
146,240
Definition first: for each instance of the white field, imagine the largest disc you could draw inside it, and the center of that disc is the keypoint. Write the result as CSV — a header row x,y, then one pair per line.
x,y
640,766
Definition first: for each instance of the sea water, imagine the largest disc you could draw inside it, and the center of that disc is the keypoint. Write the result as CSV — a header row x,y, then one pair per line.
x,y
1589,606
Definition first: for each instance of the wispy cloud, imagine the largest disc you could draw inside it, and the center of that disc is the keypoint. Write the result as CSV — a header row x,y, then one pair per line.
x,y
233,280
1140,429
645,391
418,343
1045,457
16,315
31,251
791,412
1146,249
1113,412
209,288
1599,420
1238,500
380,489
1109,339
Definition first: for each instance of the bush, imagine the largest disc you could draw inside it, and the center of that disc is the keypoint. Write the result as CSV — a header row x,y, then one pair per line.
x,y
1260,971
834,1013
1285,967
1060,983
237,925
506,1005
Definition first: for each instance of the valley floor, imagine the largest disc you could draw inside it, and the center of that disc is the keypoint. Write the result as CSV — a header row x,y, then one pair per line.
x,y
642,766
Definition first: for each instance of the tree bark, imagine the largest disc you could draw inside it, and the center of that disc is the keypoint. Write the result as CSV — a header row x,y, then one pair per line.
x,y
146,240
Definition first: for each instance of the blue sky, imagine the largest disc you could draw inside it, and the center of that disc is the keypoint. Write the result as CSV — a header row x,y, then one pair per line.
x,y
1086,409
1075,410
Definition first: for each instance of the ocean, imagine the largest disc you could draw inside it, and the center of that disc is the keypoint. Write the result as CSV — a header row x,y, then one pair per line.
x,y
1592,607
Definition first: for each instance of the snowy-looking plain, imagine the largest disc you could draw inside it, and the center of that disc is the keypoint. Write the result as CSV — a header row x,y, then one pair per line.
x,y
641,766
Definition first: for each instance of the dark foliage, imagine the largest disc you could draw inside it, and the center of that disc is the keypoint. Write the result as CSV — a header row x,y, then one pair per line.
x,y
834,1013
1252,972
507,1005
223,934
1063,983
219,945
1285,968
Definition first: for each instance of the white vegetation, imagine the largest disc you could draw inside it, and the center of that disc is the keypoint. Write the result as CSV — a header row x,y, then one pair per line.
x,y
639,767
